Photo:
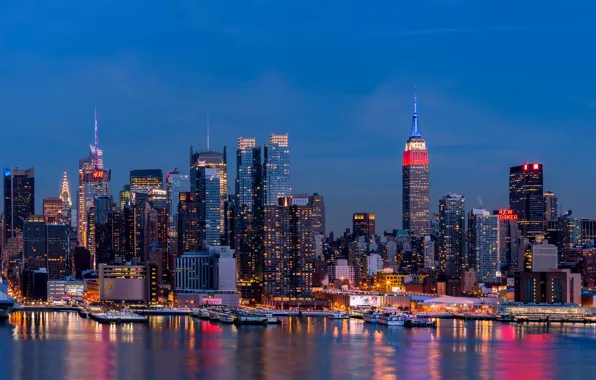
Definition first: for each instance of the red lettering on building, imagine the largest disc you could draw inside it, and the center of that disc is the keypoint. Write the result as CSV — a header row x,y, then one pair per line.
x,y
507,214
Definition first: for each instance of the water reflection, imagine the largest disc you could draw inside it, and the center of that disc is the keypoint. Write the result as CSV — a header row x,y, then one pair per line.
x,y
65,346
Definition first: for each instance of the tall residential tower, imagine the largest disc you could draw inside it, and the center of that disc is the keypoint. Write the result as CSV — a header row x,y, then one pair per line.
x,y
276,168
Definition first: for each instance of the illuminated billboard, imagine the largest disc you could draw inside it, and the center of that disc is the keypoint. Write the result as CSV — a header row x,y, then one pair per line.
x,y
371,301
507,214
212,301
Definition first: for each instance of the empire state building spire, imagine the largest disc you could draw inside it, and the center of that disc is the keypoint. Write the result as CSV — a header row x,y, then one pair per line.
x,y
415,131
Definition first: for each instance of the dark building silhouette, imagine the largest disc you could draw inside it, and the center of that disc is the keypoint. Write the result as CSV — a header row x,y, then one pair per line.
x,y
363,224
188,223
249,219
82,259
526,198
19,199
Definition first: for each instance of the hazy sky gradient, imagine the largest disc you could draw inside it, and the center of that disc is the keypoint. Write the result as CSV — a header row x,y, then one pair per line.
x,y
499,83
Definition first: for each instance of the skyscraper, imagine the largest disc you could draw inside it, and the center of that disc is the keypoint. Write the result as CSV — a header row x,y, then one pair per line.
x,y
509,238
56,250
209,212
175,184
363,224
52,210
483,243
451,233
288,251
94,180
188,225
551,206
213,160
19,199
276,169
318,214
143,180
66,200
34,242
415,177
101,246
526,198
249,218
124,196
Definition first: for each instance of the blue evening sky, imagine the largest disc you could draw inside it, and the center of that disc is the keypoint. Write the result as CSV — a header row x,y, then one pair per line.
x,y
500,83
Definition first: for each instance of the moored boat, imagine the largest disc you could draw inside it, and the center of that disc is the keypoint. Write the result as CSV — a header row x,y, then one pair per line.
x,y
227,318
372,317
391,319
271,320
339,315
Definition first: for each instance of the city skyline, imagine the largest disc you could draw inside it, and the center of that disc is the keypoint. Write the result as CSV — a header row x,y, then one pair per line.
x,y
504,112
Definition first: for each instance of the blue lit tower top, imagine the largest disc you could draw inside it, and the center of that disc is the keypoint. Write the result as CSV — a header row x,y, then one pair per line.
x,y
415,131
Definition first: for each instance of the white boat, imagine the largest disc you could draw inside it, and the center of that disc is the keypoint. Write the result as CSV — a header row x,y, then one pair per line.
x,y
339,315
372,317
204,314
390,319
271,320
214,316
226,318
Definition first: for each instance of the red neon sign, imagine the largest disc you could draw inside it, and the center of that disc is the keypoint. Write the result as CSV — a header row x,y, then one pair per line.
x,y
531,167
507,215
98,174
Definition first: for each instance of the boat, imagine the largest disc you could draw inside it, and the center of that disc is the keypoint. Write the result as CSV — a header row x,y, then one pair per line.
x,y
245,318
505,318
339,315
227,318
372,317
84,313
214,316
203,314
391,319
6,308
358,314
271,320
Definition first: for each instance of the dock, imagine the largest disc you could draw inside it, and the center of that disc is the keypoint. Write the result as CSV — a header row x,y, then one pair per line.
x,y
153,312
475,317
117,317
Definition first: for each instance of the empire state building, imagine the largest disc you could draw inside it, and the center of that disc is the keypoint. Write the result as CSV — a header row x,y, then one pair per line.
x,y
415,203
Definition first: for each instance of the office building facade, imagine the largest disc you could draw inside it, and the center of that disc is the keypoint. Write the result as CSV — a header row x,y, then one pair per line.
x,y
209,211
363,224
526,198
19,200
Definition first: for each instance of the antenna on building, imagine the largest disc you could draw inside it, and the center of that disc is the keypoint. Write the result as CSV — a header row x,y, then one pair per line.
x,y
415,100
208,148
96,158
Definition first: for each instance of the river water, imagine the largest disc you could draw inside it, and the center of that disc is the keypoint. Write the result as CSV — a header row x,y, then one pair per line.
x,y
62,345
